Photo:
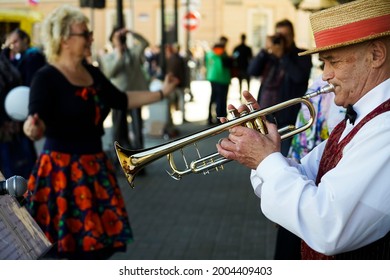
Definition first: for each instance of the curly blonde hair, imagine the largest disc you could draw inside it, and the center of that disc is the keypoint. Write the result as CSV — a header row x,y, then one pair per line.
x,y
56,27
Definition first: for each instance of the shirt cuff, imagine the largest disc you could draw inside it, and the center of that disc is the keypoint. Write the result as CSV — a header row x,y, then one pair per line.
x,y
267,169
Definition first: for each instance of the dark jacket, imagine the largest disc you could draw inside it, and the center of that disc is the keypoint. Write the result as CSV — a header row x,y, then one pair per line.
x,y
281,79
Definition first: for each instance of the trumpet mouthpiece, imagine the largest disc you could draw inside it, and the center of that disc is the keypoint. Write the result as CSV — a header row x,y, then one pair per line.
x,y
325,89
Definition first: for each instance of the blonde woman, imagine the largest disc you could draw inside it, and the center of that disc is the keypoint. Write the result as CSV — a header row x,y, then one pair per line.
x,y
73,192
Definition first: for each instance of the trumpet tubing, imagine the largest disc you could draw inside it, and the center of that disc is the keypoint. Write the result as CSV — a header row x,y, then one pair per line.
x,y
132,161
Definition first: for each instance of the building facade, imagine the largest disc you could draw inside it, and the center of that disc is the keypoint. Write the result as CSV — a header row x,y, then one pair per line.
x,y
230,18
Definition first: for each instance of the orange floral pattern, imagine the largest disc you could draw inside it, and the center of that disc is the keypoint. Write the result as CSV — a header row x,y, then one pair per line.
x,y
86,92
67,244
92,223
74,224
45,166
76,172
60,159
59,181
91,244
31,184
43,195
111,223
77,202
62,205
83,197
43,216
100,191
89,164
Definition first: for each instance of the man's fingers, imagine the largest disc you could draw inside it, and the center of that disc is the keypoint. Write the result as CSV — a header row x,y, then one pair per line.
x,y
250,99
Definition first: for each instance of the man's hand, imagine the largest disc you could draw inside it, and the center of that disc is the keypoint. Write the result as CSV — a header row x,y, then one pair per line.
x,y
273,48
119,39
248,146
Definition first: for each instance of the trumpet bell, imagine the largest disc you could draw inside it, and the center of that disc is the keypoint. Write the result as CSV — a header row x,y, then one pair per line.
x,y
125,161
132,161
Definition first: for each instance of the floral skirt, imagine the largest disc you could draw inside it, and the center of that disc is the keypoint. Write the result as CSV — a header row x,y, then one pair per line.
x,y
77,202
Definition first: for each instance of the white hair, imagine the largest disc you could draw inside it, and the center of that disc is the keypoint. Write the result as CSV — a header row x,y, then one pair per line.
x,y
56,27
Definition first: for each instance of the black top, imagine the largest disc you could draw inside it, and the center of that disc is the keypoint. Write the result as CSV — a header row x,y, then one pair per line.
x,y
73,114
242,54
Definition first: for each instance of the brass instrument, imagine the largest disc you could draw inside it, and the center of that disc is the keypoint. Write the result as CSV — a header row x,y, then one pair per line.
x,y
132,161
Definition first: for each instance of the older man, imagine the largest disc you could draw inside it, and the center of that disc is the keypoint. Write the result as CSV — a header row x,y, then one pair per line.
x,y
337,199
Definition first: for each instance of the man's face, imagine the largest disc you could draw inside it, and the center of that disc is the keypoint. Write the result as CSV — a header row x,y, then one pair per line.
x,y
348,70
17,45
286,32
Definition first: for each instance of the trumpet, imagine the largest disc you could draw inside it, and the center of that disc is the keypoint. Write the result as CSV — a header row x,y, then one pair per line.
x,y
132,161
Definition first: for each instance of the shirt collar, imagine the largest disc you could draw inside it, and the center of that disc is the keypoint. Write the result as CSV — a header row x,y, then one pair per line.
x,y
372,99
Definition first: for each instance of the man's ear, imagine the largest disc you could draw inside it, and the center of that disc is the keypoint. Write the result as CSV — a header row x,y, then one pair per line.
x,y
379,53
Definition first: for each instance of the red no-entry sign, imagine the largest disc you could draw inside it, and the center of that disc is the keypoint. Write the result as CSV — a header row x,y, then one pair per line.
x,y
191,20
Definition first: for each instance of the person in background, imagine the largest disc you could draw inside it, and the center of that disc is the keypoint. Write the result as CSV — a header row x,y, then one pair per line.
x,y
12,158
26,58
152,55
284,75
18,152
337,199
124,67
176,64
327,115
242,54
73,193
218,65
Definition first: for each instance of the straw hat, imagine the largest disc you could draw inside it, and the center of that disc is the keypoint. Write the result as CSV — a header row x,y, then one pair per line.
x,y
350,23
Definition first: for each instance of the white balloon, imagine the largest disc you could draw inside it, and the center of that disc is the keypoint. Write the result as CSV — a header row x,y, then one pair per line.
x,y
155,85
16,103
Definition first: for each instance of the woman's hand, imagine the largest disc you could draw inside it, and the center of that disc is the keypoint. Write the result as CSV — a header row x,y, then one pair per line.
x,y
34,127
170,83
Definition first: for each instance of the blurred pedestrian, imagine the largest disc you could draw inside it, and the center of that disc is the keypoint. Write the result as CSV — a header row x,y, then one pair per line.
x,y
242,54
18,153
26,58
73,192
176,64
152,55
284,75
13,161
218,65
124,66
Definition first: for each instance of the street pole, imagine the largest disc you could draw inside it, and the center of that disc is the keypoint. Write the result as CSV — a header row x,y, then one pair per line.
x,y
188,37
163,40
132,14
176,20
119,13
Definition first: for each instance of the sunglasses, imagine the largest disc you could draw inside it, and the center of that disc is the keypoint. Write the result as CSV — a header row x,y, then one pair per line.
x,y
86,34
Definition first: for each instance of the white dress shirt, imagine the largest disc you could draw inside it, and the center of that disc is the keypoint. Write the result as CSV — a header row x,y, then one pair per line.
x,y
350,207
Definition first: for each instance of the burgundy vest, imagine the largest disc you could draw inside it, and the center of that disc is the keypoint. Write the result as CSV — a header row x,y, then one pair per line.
x,y
331,156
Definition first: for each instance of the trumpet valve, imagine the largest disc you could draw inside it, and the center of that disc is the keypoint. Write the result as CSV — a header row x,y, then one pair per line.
x,y
249,125
250,106
232,113
260,125
243,113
